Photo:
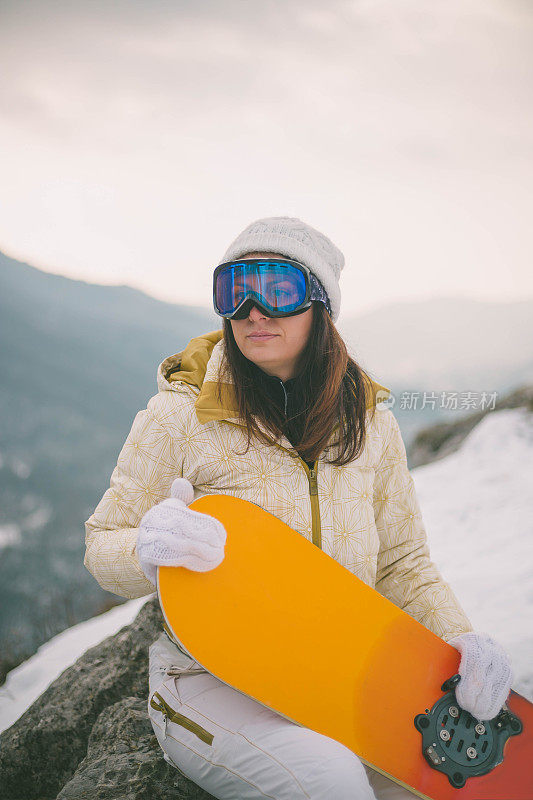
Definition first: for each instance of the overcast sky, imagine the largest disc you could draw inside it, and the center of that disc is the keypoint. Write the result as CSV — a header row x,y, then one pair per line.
x,y
138,138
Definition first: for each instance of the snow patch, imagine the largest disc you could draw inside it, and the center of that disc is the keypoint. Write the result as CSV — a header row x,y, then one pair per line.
x,y
477,506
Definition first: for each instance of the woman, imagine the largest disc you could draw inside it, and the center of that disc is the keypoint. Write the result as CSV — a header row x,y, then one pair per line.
x,y
272,409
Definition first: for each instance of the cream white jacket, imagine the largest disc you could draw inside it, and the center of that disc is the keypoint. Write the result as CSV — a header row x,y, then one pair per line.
x,y
365,514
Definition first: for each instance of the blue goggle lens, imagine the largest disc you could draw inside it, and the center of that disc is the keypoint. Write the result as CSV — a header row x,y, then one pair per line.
x,y
279,286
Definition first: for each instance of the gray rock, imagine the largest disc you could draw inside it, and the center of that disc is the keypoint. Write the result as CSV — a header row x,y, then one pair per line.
x,y
89,734
124,761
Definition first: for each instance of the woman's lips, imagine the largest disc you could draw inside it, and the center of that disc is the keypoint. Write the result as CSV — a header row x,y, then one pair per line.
x,y
260,336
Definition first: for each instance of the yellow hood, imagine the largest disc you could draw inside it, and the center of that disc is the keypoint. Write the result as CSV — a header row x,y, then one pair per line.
x,y
198,366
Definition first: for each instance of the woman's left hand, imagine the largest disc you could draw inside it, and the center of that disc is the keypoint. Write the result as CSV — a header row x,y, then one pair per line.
x,y
486,675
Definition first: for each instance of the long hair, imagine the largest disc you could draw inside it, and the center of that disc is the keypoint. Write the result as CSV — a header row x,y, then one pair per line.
x,y
335,391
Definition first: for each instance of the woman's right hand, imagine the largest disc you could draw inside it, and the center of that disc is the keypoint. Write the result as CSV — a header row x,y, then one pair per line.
x,y
173,535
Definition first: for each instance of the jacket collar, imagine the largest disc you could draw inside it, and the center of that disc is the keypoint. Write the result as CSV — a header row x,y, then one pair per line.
x,y
199,364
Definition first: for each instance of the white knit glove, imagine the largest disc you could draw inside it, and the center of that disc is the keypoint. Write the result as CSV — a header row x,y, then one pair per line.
x,y
172,535
486,675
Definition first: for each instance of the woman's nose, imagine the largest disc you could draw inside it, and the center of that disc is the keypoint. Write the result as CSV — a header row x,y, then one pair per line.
x,y
256,313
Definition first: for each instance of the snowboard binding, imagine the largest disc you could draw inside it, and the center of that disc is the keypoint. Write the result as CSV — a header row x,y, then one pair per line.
x,y
456,743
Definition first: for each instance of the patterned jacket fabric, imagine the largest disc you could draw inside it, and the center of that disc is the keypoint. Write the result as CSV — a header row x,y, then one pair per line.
x,y
364,514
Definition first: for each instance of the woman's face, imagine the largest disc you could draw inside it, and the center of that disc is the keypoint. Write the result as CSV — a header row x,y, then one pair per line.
x,y
278,352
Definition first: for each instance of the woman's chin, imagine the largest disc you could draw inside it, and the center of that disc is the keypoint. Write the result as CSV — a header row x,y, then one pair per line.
x,y
261,350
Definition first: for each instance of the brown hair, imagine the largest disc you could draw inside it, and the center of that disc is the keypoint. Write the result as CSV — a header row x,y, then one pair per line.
x,y
335,391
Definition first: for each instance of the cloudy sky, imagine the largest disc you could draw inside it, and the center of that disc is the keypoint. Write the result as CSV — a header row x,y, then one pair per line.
x,y
138,138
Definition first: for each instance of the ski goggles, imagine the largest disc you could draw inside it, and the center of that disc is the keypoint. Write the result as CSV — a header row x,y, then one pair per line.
x,y
279,287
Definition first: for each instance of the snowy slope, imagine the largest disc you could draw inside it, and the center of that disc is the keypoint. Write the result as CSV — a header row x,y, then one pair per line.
x,y
477,505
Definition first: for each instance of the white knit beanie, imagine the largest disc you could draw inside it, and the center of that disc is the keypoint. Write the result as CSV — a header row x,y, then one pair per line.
x,y
291,237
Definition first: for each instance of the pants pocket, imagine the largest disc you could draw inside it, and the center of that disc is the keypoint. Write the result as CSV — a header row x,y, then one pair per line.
x,y
160,704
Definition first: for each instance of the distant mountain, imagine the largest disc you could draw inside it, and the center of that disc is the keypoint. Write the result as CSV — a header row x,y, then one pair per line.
x,y
443,345
77,362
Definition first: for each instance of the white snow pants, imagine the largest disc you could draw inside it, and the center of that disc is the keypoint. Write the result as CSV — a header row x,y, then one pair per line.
x,y
236,749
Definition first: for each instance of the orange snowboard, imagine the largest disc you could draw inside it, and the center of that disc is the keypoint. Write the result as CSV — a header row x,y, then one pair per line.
x,y
271,620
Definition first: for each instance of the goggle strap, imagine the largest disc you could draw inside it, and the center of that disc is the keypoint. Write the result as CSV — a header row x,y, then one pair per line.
x,y
318,292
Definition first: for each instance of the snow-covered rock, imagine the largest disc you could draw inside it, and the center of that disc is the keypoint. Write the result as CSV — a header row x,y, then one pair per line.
x,y
26,682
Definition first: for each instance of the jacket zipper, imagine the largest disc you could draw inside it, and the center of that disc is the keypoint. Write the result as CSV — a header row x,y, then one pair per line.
x,y
313,491
316,528
315,507
180,719
285,393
